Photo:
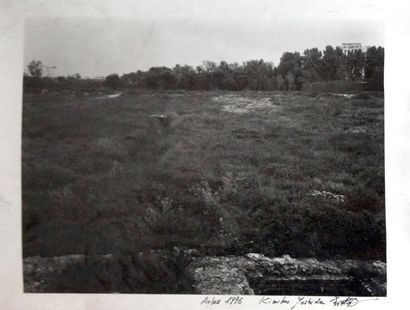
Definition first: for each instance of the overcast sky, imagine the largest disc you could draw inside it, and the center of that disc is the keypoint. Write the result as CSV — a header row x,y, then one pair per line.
x,y
122,40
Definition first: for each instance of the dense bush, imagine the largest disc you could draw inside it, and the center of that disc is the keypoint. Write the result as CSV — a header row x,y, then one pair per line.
x,y
69,83
315,229
155,272
338,86
113,81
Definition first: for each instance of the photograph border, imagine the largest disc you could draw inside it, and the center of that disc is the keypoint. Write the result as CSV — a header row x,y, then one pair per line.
x,y
397,151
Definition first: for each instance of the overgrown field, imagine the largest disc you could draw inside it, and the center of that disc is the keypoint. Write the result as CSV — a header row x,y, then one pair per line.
x,y
220,172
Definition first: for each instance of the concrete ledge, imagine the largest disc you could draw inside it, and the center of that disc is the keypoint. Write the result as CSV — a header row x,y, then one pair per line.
x,y
258,274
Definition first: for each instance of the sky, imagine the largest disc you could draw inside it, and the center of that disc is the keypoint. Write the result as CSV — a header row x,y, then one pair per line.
x,y
104,40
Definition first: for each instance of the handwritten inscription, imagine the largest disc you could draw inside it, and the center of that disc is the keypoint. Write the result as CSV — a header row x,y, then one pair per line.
x,y
293,302
234,300
274,301
210,301
348,302
308,301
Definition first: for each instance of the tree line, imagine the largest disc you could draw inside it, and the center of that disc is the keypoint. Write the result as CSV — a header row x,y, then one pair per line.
x,y
312,70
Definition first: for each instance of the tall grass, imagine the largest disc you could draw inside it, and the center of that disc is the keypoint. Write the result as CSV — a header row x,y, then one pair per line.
x,y
104,176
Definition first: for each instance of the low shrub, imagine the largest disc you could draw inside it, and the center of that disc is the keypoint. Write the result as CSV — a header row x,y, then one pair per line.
x,y
338,86
156,272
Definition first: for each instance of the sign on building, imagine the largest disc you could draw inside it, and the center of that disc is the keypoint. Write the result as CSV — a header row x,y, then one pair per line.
x,y
351,47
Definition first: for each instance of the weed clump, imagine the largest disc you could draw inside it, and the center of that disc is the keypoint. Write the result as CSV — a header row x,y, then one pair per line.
x,y
104,178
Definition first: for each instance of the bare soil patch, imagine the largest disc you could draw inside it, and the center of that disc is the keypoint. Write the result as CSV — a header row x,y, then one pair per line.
x,y
240,104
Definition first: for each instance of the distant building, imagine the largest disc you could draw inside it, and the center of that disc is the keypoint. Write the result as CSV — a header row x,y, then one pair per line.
x,y
353,47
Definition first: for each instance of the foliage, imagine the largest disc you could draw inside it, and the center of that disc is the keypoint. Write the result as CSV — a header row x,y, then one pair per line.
x,y
111,179
374,67
113,81
311,65
35,68
156,272
294,72
290,68
337,86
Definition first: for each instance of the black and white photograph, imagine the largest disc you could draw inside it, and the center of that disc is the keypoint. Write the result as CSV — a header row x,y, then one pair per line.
x,y
204,155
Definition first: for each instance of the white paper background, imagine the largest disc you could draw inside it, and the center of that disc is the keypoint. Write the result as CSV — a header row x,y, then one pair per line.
x,y
396,15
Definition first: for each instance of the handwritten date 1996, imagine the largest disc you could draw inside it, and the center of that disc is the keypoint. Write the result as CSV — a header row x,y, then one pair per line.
x,y
233,300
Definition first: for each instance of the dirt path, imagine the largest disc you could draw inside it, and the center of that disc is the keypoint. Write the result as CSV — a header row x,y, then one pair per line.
x,y
238,104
